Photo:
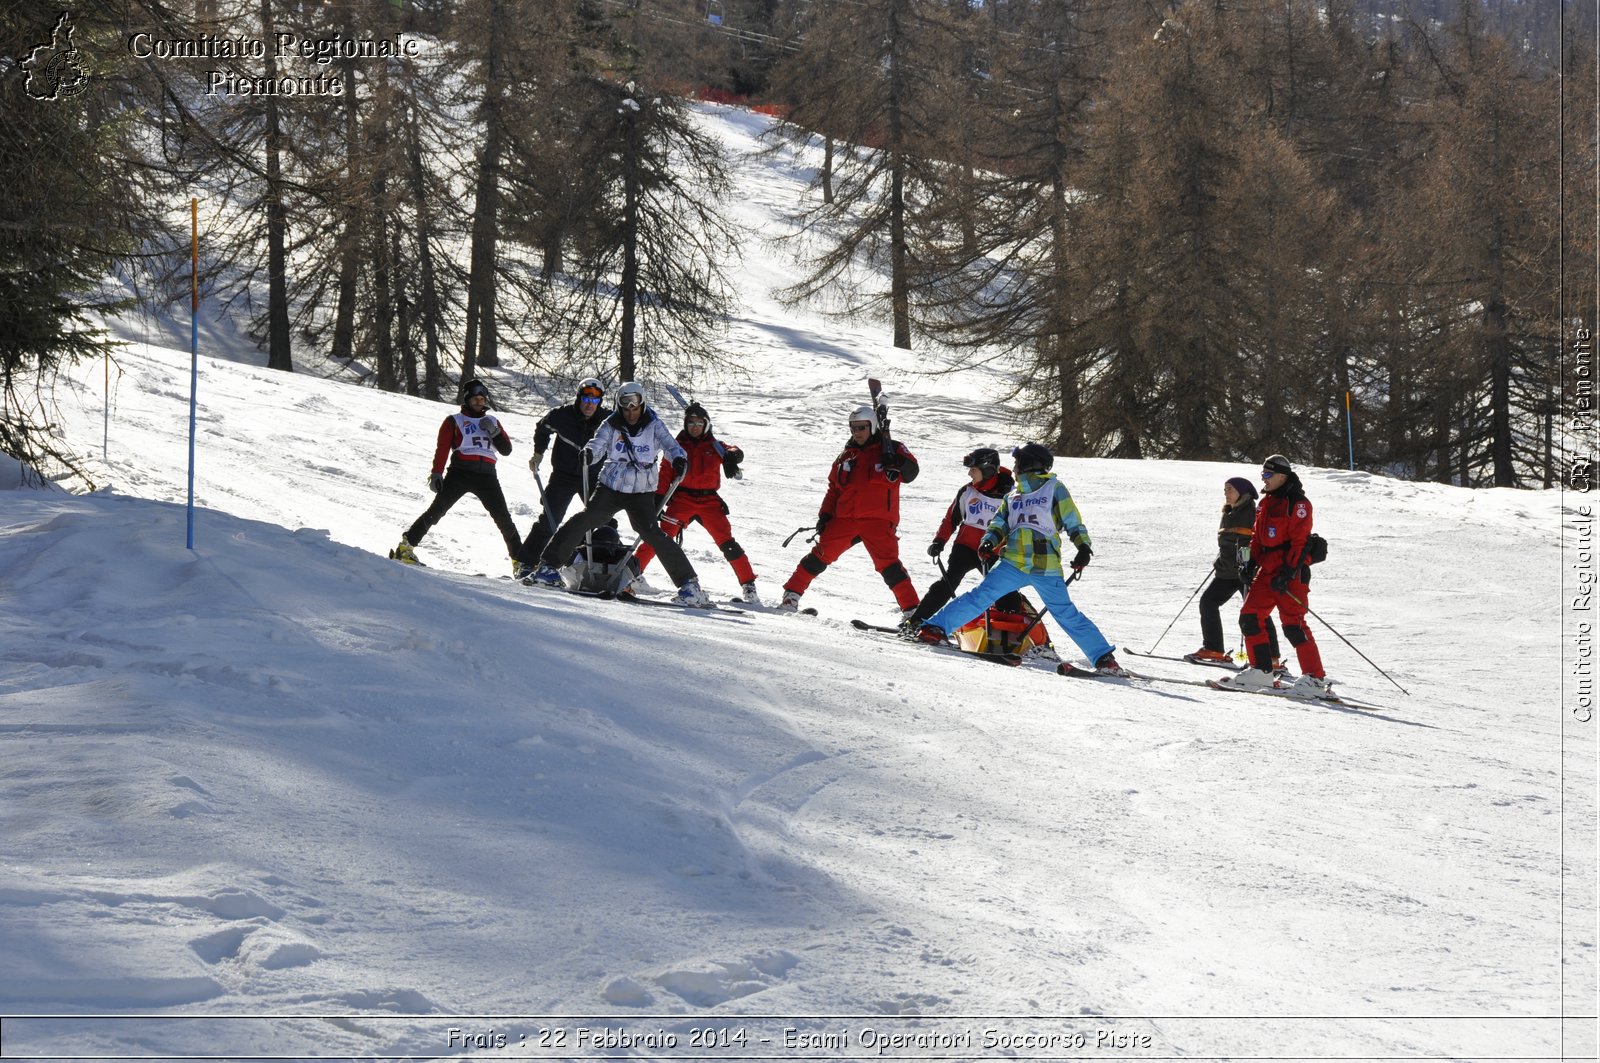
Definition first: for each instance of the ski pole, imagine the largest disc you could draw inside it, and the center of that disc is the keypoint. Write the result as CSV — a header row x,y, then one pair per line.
x,y
1181,611
655,521
1347,642
797,531
544,507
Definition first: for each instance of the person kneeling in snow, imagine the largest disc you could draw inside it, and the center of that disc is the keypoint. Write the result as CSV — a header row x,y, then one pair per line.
x,y
632,441
1025,536
697,497
471,440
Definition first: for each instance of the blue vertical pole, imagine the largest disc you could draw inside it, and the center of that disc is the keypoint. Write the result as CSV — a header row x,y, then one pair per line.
x,y
194,346
1349,431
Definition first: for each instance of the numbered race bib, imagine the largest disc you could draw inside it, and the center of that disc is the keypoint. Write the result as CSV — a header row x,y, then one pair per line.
x,y
978,509
475,442
1034,510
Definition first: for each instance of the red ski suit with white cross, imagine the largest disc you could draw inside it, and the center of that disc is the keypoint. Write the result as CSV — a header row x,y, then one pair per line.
x,y
696,499
1283,521
862,505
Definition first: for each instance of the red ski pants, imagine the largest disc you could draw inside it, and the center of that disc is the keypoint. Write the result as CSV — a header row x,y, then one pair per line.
x,y
683,511
882,544
1253,616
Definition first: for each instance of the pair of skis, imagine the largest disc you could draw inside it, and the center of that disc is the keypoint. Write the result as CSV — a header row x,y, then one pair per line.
x,y
1076,671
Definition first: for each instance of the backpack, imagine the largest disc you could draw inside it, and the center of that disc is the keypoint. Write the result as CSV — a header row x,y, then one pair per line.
x,y
1316,550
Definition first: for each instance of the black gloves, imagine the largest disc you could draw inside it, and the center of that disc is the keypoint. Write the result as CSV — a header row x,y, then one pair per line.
x,y
1247,574
936,548
823,519
1080,560
893,462
990,546
679,464
1280,581
435,482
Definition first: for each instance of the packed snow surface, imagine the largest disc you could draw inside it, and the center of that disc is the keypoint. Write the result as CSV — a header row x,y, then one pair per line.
x,y
281,795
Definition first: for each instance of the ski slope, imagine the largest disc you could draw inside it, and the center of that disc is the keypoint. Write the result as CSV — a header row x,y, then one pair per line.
x,y
279,795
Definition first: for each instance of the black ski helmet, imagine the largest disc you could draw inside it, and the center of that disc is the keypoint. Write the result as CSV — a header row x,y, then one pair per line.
x,y
1031,457
984,459
694,409
475,387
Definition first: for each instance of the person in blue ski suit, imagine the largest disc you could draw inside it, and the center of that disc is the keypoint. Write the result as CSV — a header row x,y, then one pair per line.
x,y
1025,537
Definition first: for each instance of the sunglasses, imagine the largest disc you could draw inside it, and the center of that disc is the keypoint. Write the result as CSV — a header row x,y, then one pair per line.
x,y
691,422
588,397
860,426
1267,474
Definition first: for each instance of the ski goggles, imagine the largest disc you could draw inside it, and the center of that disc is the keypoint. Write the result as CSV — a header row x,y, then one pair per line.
x,y
693,421
632,402
589,396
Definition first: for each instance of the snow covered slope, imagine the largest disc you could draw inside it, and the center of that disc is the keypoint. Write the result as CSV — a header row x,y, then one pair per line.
x,y
297,799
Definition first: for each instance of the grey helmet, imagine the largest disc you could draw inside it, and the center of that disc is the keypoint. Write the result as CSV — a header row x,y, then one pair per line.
x,y
629,390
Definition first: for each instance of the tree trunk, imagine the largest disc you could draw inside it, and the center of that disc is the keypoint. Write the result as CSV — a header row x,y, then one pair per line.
x,y
278,351
827,169
432,378
480,345
899,257
628,290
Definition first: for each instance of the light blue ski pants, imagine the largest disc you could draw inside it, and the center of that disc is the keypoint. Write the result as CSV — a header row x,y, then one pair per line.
x,y
1006,577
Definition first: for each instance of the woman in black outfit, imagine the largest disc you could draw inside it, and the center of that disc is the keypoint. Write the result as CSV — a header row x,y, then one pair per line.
x,y
1233,550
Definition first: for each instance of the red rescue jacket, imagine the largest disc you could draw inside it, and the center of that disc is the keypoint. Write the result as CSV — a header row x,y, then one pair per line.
x,y
857,486
1283,520
705,464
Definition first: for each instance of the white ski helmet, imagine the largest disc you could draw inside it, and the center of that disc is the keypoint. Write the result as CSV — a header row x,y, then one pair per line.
x,y
630,389
867,414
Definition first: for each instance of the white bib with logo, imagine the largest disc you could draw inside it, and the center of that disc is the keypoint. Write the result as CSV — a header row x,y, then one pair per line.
x,y
475,442
633,450
977,508
1034,510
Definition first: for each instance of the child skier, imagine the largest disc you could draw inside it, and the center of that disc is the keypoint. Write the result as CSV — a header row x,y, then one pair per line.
x,y
967,518
472,440
697,497
1025,534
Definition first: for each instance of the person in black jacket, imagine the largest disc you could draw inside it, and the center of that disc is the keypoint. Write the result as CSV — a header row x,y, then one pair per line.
x,y
1233,551
568,428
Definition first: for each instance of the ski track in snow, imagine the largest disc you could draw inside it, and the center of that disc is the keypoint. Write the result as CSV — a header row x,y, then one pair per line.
x,y
280,775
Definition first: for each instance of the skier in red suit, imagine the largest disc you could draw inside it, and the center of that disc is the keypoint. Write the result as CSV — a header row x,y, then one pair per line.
x,y
862,505
1279,575
697,497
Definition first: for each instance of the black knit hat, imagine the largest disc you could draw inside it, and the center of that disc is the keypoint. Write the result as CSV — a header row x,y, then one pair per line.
x,y
1277,463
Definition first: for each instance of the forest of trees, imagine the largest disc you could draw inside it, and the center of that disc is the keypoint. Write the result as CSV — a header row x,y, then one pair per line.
x,y
1186,230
